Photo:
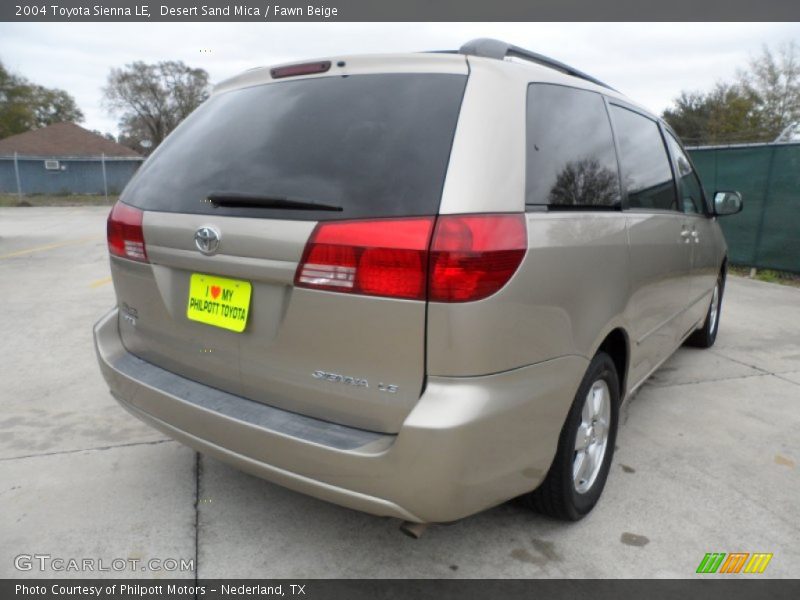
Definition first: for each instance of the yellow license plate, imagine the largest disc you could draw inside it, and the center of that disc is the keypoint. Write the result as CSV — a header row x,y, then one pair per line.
x,y
219,301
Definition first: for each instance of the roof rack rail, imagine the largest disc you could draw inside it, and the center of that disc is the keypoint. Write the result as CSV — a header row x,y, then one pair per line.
x,y
490,48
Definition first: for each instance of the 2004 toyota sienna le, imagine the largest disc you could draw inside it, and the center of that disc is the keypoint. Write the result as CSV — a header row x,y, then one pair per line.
x,y
415,285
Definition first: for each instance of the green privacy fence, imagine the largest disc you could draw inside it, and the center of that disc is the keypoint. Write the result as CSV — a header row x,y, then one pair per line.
x,y
766,234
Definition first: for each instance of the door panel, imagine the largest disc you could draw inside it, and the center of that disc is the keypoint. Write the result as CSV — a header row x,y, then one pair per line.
x,y
660,255
705,265
704,259
660,242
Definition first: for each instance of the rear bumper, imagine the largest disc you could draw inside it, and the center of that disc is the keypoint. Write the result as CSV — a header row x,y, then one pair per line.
x,y
469,443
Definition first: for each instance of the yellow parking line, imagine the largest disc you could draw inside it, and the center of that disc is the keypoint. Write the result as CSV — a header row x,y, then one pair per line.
x,y
50,246
99,282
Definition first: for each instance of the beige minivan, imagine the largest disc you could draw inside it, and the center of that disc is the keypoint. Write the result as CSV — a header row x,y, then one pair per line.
x,y
415,285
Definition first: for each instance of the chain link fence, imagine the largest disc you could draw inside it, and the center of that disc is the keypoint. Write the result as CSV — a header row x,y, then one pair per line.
x,y
766,234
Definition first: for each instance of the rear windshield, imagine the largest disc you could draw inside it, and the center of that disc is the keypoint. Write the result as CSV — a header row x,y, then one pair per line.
x,y
374,145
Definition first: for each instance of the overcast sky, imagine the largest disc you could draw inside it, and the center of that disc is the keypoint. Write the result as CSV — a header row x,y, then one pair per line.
x,y
650,62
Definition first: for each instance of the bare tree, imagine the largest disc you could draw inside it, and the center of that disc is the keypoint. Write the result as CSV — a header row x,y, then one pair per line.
x,y
773,82
585,183
763,102
153,99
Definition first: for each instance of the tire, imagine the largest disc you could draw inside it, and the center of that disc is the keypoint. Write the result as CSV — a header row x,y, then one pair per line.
x,y
707,334
562,495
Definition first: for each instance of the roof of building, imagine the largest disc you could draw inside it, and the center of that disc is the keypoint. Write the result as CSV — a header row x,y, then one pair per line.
x,y
63,140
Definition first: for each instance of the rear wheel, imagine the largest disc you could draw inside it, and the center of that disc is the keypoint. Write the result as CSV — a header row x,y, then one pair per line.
x,y
707,334
585,447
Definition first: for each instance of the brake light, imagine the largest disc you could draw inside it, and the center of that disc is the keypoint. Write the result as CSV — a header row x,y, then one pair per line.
x,y
386,257
125,233
301,69
465,258
473,256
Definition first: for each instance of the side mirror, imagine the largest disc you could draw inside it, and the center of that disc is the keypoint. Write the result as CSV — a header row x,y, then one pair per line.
x,y
727,203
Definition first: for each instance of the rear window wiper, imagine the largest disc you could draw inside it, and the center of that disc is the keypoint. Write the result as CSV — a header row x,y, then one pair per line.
x,y
242,200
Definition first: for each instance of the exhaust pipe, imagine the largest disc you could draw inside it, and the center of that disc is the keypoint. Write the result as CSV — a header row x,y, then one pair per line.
x,y
413,530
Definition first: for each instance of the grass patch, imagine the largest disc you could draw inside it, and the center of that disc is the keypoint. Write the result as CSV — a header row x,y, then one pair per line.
x,y
53,200
768,275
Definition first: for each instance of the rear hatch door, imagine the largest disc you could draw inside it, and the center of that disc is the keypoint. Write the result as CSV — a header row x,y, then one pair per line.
x,y
259,167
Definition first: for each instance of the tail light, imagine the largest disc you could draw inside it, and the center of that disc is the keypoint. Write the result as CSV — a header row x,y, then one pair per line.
x,y
464,258
473,256
386,257
125,234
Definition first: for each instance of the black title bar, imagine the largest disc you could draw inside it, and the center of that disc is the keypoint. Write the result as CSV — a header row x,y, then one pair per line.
x,y
400,10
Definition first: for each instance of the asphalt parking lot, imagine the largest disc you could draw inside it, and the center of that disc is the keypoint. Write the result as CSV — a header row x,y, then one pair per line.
x,y
707,457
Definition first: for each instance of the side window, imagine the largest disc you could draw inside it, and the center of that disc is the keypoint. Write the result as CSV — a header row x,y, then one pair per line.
x,y
645,164
570,159
690,191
